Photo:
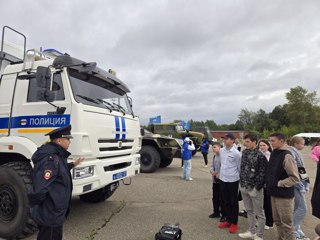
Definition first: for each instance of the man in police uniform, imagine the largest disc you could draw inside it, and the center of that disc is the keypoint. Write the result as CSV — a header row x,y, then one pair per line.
x,y
50,195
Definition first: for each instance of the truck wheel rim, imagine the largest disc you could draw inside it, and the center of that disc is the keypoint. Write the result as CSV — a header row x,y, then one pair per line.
x,y
145,160
7,203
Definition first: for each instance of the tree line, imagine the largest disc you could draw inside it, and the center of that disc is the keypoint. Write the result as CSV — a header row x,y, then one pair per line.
x,y
300,114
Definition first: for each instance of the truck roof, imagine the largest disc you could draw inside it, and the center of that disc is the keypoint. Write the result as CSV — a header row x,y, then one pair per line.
x,y
34,59
74,63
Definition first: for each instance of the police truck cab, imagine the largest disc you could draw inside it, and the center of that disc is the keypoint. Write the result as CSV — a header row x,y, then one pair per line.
x,y
44,90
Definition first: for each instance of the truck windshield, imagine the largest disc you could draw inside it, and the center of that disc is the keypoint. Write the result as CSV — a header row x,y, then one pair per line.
x,y
90,90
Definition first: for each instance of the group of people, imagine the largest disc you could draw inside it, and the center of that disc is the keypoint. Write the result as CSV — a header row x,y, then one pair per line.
x,y
270,177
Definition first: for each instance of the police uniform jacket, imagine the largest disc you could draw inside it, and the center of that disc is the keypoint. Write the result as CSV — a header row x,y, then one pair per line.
x,y
50,195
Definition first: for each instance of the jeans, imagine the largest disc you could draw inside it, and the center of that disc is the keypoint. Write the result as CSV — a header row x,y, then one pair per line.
x,y
253,202
282,210
300,211
186,169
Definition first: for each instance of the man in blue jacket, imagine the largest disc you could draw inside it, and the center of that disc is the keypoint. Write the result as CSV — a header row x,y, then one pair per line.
x,y
186,150
50,195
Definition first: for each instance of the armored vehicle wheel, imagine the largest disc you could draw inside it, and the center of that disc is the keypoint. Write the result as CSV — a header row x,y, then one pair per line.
x,y
15,180
100,194
165,162
149,159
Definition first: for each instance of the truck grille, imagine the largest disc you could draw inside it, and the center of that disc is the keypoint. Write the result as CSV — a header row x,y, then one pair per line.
x,y
115,140
114,148
109,148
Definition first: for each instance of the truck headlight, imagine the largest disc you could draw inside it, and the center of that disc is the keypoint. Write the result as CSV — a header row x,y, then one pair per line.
x,y
137,162
83,172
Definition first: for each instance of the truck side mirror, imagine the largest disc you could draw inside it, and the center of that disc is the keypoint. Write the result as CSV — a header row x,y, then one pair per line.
x,y
43,77
45,95
142,131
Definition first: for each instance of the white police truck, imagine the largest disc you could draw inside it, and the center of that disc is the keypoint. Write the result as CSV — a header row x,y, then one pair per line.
x,y
44,90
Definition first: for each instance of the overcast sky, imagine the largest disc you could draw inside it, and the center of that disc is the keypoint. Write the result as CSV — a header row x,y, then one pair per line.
x,y
184,59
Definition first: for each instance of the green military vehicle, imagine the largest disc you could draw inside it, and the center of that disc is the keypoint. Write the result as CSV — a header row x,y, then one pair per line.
x,y
176,131
205,130
157,151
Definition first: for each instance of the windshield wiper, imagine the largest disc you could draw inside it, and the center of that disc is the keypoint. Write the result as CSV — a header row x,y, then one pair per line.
x,y
88,99
121,109
106,104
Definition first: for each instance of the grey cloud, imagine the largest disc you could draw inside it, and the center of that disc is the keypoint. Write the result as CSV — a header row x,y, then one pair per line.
x,y
262,65
184,58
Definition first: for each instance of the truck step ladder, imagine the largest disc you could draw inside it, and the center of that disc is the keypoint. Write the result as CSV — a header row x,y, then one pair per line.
x,y
12,54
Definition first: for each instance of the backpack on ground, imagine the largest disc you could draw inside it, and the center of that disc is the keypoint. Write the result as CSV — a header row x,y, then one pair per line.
x,y
169,232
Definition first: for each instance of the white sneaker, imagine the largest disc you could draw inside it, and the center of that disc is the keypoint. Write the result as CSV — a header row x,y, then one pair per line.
x,y
246,234
189,179
267,227
257,238
204,165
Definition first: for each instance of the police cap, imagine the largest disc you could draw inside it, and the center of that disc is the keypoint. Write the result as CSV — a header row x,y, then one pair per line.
x,y
63,132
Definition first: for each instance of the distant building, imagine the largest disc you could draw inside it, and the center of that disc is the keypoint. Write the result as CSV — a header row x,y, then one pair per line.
x,y
218,134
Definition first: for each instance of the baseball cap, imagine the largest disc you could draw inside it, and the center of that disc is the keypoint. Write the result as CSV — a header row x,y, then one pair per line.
x,y
229,135
187,139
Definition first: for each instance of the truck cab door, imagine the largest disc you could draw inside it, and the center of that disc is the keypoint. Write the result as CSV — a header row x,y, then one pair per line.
x,y
32,116
6,94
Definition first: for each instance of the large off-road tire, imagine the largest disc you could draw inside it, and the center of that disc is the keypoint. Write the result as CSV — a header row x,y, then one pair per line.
x,y
165,162
149,159
100,194
15,181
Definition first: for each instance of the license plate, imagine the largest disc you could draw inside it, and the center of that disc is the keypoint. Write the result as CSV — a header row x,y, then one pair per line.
x,y
119,175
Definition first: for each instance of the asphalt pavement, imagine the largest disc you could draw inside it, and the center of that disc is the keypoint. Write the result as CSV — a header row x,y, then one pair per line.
x,y
137,211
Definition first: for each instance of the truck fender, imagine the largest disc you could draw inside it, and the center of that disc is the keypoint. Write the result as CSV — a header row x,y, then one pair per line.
x,y
21,145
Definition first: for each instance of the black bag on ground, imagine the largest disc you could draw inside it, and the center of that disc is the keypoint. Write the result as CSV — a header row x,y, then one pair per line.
x,y
169,232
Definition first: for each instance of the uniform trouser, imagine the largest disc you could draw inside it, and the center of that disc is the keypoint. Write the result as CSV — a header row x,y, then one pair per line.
x,y
205,157
217,201
49,233
230,192
253,202
282,210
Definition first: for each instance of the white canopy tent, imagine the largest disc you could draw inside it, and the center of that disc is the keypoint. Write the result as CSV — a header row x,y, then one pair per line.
x,y
308,135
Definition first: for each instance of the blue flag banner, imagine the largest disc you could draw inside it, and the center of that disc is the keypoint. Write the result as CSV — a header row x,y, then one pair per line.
x,y
156,119
182,123
187,126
